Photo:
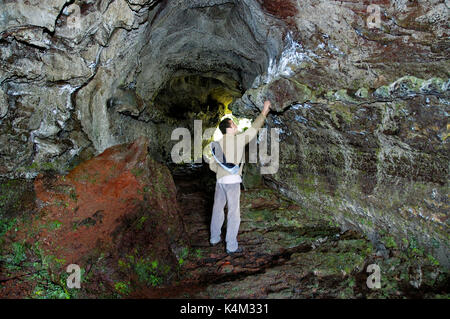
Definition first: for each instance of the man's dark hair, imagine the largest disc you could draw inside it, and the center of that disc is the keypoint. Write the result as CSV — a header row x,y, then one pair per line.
x,y
226,123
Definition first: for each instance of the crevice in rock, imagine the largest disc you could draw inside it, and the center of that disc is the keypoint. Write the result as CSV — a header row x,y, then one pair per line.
x,y
61,12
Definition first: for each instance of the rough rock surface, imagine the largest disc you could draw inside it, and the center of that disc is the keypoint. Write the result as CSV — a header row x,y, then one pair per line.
x,y
115,216
60,82
378,163
362,112
363,118
291,252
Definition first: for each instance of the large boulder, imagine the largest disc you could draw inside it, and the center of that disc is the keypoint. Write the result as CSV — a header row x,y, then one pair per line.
x,y
116,216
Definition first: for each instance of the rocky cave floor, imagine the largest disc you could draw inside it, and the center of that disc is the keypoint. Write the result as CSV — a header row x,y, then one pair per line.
x,y
289,252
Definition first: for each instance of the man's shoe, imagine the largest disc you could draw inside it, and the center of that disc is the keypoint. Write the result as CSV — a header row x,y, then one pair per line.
x,y
213,244
237,251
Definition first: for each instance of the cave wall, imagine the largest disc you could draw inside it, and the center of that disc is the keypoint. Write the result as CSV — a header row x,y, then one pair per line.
x,y
363,118
80,76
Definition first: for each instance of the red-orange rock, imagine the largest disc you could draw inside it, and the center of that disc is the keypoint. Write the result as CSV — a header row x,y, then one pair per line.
x,y
120,205
280,8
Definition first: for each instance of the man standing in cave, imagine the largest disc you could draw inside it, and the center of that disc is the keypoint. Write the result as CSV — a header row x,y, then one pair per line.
x,y
227,163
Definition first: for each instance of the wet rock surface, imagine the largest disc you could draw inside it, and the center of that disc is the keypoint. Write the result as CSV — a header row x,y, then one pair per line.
x,y
70,85
362,111
374,163
156,243
290,252
115,216
363,127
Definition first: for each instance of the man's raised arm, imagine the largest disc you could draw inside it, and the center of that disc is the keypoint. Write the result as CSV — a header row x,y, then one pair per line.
x,y
252,131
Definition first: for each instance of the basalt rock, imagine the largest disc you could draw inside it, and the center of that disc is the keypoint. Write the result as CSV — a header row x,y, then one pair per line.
x,y
362,115
362,110
115,216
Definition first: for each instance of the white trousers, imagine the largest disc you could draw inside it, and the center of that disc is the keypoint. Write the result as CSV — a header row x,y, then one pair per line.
x,y
226,194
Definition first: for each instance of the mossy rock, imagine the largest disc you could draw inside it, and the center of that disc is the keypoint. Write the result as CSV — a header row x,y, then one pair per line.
x,y
16,197
251,177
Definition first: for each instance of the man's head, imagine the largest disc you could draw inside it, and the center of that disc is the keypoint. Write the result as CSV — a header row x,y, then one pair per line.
x,y
227,126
